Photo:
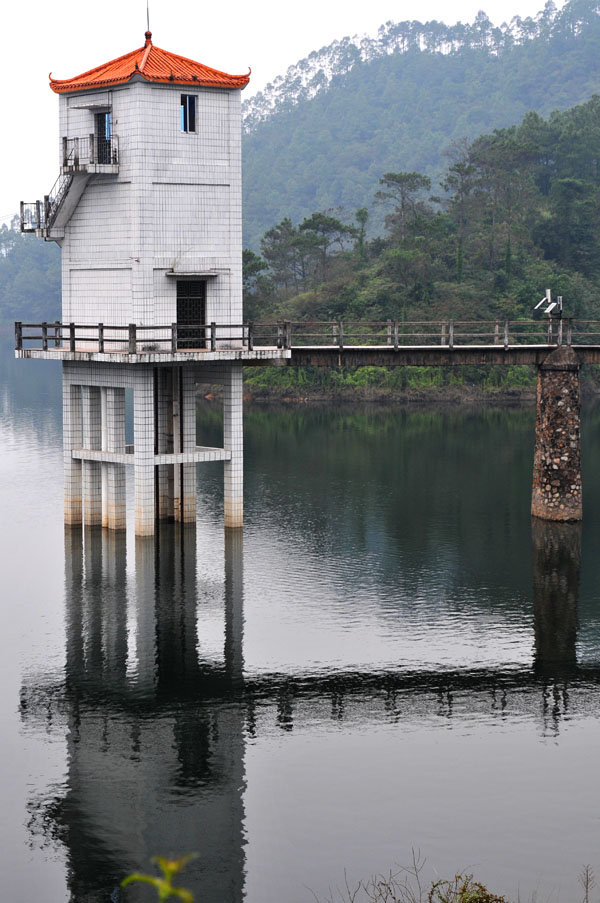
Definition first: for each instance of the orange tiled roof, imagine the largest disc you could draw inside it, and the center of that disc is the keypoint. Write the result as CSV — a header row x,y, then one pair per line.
x,y
153,64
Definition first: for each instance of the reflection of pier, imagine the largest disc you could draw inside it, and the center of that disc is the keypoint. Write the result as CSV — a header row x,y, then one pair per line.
x,y
156,733
148,773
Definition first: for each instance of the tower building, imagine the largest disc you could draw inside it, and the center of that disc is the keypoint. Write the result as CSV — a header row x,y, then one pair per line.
x,y
147,210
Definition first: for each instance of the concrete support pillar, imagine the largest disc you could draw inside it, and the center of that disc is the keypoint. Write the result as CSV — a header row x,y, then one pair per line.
x,y
91,470
71,440
143,457
165,443
188,432
233,441
113,475
556,555
556,464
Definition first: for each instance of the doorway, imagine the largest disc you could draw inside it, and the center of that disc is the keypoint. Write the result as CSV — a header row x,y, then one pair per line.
x,y
191,313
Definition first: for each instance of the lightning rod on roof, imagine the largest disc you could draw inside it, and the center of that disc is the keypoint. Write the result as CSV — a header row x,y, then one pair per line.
x,y
148,15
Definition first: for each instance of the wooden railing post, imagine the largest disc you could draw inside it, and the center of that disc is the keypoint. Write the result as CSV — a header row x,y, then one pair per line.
x,y
451,334
569,330
287,339
396,337
506,336
549,330
389,332
496,333
132,338
250,336
443,340
18,336
71,336
560,332
340,334
100,338
44,336
57,333
213,336
173,338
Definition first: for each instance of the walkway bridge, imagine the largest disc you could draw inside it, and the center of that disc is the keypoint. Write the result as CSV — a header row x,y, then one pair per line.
x,y
330,344
164,363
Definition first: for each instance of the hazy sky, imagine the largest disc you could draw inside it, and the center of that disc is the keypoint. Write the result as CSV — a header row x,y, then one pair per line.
x,y
67,37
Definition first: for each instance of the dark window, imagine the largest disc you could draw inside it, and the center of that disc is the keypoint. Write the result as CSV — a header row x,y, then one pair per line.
x,y
103,136
191,313
188,113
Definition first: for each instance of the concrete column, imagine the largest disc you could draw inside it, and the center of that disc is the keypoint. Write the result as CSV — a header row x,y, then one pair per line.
x,y
143,456
556,464
556,555
188,471
233,441
113,475
165,443
71,440
91,470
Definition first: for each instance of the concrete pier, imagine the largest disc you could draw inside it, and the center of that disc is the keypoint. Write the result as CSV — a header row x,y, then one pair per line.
x,y
557,459
165,452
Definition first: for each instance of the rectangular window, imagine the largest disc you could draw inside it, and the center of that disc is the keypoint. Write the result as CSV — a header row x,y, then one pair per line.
x,y
188,113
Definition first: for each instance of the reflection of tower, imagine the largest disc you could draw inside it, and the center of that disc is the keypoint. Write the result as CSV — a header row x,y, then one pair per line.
x,y
556,549
155,743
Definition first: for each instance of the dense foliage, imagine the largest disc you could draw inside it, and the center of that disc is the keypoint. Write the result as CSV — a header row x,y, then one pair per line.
x,y
321,137
29,277
517,211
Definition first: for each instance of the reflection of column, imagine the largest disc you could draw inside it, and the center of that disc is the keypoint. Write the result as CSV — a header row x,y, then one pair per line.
x,y
143,451
91,470
73,602
234,604
71,440
145,592
114,603
556,551
176,632
233,441
556,465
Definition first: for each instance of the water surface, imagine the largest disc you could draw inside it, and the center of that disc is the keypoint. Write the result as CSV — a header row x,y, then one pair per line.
x,y
388,657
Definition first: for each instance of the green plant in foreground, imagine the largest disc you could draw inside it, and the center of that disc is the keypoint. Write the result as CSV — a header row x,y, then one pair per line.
x,y
164,886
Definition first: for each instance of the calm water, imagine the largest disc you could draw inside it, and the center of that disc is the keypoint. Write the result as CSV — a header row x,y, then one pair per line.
x,y
388,659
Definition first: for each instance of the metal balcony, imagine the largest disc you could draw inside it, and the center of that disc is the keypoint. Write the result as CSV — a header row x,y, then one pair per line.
x,y
81,158
90,153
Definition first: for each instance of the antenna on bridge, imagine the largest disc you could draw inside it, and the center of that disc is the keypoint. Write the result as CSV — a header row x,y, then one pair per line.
x,y
551,305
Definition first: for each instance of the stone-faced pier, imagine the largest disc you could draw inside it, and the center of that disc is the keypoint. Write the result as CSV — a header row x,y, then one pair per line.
x,y
556,491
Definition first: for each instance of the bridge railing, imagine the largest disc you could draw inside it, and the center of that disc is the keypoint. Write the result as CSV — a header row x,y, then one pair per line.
x,y
133,339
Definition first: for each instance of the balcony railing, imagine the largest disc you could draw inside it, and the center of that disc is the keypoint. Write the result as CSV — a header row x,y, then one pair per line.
x,y
78,153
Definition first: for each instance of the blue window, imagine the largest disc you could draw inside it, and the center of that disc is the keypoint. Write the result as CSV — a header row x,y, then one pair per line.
x,y
188,113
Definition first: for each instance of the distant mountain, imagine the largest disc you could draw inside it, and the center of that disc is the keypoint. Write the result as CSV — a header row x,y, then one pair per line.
x,y
320,137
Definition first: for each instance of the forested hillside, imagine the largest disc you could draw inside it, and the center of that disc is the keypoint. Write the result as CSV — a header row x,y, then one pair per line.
x,y
320,138
519,212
